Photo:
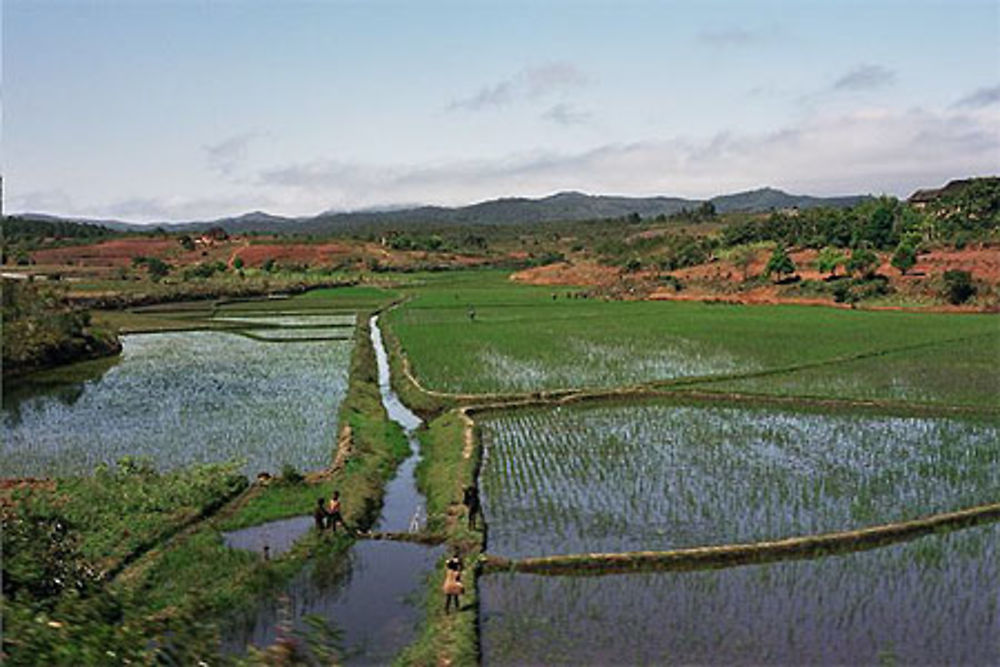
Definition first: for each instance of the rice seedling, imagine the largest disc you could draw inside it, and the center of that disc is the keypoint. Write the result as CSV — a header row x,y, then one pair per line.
x,y
657,476
182,398
520,339
898,601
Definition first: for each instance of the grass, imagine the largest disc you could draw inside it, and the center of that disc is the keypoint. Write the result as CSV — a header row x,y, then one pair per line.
x,y
954,373
378,445
442,474
194,576
523,340
121,511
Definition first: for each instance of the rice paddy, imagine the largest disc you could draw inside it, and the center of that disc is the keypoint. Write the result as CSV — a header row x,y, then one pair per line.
x,y
183,398
500,337
930,601
656,476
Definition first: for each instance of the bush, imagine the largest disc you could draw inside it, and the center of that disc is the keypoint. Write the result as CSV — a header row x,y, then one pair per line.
x,y
671,281
958,286
290,475
779,263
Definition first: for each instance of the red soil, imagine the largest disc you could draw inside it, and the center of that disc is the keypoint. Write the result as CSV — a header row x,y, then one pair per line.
x,y
582,273
708,282
117,252
318,254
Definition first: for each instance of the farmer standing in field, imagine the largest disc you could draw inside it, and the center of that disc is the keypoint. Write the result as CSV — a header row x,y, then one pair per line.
x,y
470,498
320,515
453,586
333,515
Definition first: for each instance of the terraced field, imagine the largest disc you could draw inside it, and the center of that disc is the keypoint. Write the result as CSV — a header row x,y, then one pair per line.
x,y
657,475
755,424
930,601
521,339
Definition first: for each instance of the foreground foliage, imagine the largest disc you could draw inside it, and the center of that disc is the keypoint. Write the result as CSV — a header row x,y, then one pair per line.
x,y
42,329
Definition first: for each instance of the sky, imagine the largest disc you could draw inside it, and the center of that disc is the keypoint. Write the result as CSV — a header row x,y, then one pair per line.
x,y
151,111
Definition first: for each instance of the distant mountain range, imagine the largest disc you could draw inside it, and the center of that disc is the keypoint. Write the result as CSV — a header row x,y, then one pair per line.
x,y
563,206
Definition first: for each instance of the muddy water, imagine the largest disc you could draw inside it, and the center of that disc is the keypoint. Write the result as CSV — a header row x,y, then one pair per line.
x,y
277,536
372,598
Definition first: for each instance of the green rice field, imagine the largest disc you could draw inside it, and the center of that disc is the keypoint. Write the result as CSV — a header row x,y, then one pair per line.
x,y
651,476
523,339
930,601
184,398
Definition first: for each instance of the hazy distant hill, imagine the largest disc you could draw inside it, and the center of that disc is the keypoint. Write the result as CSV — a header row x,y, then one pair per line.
x,y
508,211
766,199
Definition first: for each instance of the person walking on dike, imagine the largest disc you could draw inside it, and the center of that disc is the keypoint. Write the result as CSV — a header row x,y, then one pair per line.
x,y
470,497
320,515
453,586
333,515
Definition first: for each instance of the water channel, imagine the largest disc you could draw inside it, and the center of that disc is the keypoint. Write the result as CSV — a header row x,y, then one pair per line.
x,y
373,597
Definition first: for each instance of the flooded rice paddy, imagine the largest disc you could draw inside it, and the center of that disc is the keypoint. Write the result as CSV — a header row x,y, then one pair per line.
x,y
592,363
613,478
373,599
935,600
182,398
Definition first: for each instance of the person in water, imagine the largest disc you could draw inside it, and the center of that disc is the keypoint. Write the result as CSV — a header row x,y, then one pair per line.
x,y
470,498
320,515
453,586
333,515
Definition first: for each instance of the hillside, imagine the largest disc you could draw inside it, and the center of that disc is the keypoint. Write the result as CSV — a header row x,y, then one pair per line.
x,y
563,206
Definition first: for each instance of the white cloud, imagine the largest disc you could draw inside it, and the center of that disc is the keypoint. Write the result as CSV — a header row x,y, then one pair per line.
x,y
529,84
739,36
978,99
565,114
53,201
226,156
865,77
872,150
868,151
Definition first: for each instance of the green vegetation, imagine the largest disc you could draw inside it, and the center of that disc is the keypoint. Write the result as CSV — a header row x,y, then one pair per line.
x,y
189,396
952,373
523,340
42,329
958,286
443,472
655,476
831,609
779,263
62,542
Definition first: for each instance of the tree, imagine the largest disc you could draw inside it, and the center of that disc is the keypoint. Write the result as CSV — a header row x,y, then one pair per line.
x,y
958,286
742,257
779,263
862,262
238,263
186,242
905,257
829,259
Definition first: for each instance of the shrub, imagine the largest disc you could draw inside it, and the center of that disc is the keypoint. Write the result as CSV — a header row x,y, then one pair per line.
x,y
779,263
958,286
905,257
290,475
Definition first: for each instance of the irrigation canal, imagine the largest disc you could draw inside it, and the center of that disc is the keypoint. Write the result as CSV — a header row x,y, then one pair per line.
x,y
374,597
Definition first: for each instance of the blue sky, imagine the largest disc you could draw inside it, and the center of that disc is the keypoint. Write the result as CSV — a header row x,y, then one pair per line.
x,y
155,111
